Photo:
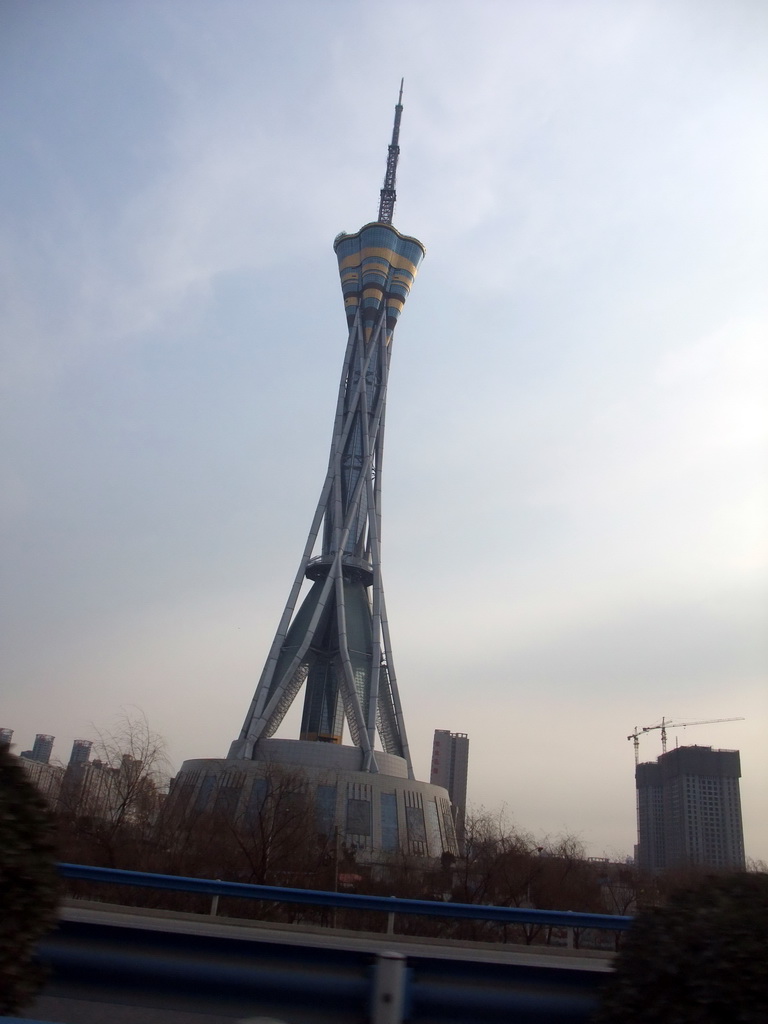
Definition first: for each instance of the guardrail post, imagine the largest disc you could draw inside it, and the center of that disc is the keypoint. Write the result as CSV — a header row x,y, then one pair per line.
x,y
391,920
215,903
388,989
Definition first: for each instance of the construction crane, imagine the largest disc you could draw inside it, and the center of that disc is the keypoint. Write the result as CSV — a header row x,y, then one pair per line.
x,y
664,725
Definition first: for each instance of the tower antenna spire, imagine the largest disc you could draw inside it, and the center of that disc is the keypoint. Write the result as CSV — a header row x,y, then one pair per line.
x,y
388,193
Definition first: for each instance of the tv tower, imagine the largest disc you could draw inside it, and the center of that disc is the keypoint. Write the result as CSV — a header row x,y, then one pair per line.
x,y
336,641
333,636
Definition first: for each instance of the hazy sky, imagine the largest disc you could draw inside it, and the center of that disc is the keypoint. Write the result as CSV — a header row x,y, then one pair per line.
x,y
576,482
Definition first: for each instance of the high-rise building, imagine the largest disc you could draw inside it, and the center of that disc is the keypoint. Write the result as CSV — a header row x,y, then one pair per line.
x,y
6,736
46,777
689,810
450,764
41,749
333,639
81,751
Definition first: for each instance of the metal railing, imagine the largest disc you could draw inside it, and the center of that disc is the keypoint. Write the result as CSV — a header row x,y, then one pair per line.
x,y
340,984
347,901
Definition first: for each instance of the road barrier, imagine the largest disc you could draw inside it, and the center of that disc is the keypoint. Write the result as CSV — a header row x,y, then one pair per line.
x,y
348,901
204,966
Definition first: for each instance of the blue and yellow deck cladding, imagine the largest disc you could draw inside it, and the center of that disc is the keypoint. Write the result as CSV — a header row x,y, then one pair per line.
x,y
377,266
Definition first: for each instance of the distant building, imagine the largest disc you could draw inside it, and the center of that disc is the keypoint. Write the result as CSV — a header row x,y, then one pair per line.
x,y
689,810
92,789
48,778
81,751
41,749
89,789
6,735
72,787
450,765
95,790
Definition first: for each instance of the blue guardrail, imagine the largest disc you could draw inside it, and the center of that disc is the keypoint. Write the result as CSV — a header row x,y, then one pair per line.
x,y
348,901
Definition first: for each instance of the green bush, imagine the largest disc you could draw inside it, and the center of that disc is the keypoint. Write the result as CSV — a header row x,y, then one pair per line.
x,y
28,884
703,958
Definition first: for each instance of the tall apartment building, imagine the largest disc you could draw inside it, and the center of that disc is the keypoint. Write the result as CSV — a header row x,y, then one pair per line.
x,y
6,737
41,749
48,778
81,752
689,810
450,765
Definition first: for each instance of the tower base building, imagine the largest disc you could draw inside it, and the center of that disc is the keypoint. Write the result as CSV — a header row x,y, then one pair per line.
x,y
376,814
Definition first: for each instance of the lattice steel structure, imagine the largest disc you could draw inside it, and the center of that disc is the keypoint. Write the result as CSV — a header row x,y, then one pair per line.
x,y
336,641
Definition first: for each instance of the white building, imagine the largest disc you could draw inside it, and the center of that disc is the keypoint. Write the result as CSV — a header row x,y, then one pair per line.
x,y
377,814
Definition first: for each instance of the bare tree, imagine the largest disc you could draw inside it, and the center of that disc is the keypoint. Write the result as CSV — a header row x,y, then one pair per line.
x,y
259,830
499,866
276,832
109,805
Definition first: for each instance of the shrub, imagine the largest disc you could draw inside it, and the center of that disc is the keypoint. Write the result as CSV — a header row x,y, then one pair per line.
x,y
28,883
703,958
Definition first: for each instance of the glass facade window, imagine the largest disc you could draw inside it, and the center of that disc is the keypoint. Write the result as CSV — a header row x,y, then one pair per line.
x,y
325,809
414,818
256,801
358,817
434,823
448,829
226,800
204,793
390,837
